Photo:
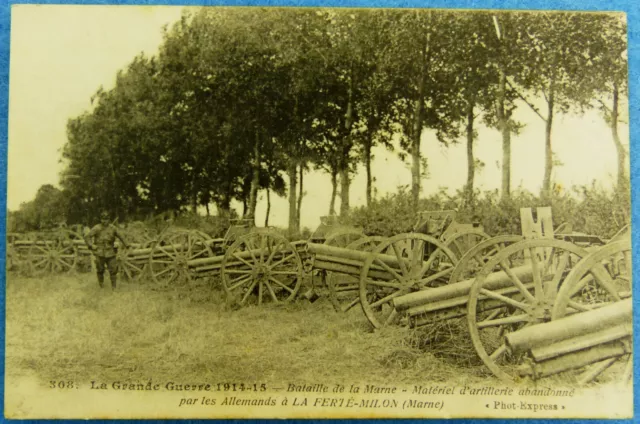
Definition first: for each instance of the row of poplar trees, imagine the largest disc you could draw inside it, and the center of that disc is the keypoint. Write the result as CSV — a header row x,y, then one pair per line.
x,y
243,100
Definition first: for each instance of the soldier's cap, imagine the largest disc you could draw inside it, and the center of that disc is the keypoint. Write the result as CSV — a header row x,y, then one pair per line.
x,y
104,215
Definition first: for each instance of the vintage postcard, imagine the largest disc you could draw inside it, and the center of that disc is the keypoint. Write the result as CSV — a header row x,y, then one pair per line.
x,y
281,212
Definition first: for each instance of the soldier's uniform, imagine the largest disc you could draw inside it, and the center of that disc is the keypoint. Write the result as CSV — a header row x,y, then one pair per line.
x,y
101,240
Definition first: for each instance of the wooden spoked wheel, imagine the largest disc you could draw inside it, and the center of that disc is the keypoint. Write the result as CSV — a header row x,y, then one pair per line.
x,y
462,241
261,267
476,258
52,253
400,265
132,267
170,256
521,294
343,237
601,278
344,290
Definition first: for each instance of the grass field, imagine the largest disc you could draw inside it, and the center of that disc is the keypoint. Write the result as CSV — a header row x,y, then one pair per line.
x,y
65,327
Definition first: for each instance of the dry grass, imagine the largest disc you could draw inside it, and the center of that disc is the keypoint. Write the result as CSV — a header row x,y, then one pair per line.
x,y
66,327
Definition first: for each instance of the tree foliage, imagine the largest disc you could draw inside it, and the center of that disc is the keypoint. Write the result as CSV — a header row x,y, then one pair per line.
x,y
239,101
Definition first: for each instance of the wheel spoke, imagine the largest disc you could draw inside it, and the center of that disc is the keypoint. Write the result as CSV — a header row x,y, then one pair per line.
x,y
517,282
198,254
498,352
384,284
351,304
239,283
238,278
171,255
386,299
65,263
164,271
271,292
548,261
513,319
392,316
246,295
250,249
535,269
604,280
237,271
286,258
389,270
284,286
235,255
503,299
564,260
37,264
427,265
578,306
461,250
262,248
403,266
273,252
424,282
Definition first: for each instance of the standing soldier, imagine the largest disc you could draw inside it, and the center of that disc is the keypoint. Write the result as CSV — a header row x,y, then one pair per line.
x,y
100,240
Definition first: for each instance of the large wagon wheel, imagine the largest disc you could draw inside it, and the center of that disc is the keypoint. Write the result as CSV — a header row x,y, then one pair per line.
x,y
170,256
532,271
462,241
599,279
132,267
52,253
399,265
344,290
343,237
261,267
476,258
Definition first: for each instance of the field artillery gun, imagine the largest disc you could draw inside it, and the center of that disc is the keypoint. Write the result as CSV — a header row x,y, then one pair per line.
x,y
581,346
524,283
438,226
183,255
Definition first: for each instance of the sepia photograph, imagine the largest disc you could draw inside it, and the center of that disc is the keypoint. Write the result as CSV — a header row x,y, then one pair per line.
x,y
317,212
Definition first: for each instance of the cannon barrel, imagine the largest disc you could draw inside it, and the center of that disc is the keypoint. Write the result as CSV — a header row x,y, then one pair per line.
x,y
341,253
589,322
582,342
574,360
457,293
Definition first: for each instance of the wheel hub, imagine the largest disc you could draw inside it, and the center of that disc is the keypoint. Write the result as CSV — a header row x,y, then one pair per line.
x,y
261,273
540,311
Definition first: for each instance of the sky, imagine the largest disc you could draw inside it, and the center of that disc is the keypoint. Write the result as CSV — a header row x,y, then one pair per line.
x,y
61,55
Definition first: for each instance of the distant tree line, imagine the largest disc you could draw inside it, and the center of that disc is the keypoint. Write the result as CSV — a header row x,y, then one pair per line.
x,y
240,101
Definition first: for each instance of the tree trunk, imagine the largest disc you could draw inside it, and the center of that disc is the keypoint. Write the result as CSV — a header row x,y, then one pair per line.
x,y
207,207
471,168
266,218
548,153
300,192
367,163
334,190
293,218
416,135
345,184
622,154
503,126
194,197
346,148
255,179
